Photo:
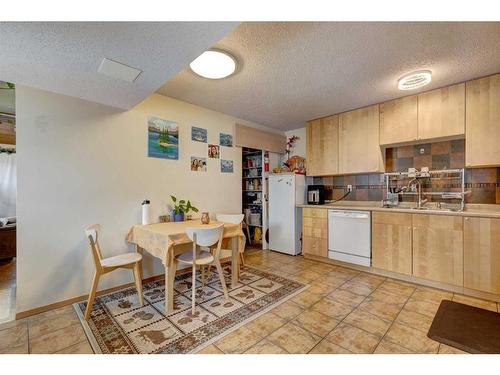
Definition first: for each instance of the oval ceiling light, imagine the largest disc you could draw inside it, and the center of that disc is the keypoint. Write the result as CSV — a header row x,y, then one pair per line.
x,y
415,80
214,64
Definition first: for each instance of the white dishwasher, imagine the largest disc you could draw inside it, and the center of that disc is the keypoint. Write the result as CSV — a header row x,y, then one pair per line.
x,y
349,236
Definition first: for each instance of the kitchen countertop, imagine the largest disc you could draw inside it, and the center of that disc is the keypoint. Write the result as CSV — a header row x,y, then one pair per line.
x,y
471,210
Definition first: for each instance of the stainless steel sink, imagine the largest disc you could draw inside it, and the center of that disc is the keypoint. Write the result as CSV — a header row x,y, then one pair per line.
x,y
434,208
428,207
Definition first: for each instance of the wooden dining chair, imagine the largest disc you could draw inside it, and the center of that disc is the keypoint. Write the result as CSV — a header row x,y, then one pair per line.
x,y
232,219
246,227
106,265
204,238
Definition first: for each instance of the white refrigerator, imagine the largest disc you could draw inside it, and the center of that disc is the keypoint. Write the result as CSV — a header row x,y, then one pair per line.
x,y
286,190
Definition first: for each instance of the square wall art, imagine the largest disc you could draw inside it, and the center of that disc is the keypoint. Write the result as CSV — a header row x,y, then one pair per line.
x,y
226,166
163,138
226,140
198,164
213,151
198,134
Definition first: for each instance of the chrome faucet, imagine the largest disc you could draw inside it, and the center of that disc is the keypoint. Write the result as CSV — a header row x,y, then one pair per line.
x,y
416,181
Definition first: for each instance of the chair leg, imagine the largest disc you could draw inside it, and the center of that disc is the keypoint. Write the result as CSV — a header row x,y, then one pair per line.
x,y
193,303
93,290
248,234
138,282
221,278
242,260
203,275
209,270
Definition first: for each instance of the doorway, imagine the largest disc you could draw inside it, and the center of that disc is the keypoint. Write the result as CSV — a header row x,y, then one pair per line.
x,y
8,187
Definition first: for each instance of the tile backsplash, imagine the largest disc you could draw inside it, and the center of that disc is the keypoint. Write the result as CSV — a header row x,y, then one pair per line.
x,y
484,183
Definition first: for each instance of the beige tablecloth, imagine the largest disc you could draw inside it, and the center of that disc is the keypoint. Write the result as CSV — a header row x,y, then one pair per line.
x,y
159,239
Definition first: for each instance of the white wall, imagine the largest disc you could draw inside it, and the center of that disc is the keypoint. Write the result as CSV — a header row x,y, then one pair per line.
x,y
81,163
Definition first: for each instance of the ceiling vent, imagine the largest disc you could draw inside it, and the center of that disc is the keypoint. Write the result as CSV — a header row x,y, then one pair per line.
x,y
118,70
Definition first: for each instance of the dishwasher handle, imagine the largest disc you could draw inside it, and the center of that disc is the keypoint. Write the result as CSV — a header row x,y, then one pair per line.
x,y
349,214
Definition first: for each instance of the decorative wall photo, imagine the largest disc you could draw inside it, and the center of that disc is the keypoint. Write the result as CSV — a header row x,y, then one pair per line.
x,y
198,134
226,166
163,138
198,164
226,140
213,151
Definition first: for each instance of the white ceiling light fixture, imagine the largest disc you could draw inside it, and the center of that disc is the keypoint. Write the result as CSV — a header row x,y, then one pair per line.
x,y
214,64
414,80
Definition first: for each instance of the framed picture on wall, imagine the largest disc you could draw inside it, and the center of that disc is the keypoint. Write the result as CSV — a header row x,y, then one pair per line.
x,y
226,166
226,140
198,164
163,138
213,151
198,134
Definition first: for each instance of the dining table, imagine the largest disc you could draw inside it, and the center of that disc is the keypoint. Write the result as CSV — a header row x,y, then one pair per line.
x,y
163,240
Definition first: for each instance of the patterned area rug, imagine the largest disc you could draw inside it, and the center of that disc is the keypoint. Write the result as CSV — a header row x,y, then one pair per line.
x,y
119,325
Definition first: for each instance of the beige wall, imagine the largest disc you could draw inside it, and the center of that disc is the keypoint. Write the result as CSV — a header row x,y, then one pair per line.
x,y
81,163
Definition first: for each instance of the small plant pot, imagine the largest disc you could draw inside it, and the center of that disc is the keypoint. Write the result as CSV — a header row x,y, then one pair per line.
x,y
178,217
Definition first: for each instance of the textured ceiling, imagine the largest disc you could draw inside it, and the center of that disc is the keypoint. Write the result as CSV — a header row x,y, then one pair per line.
x,y
63,57
293,72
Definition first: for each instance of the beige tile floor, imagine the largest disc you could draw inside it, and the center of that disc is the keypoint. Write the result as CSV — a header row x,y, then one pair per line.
x,y
343,311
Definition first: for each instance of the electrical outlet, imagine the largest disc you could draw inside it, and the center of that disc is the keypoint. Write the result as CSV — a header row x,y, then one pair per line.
x,y
349,188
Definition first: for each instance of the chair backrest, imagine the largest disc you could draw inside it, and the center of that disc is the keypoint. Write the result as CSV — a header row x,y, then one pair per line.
x,y
205,236
93,232
230,218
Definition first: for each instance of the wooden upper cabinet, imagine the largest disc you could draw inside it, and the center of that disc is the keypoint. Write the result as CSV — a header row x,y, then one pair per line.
x,y
398,120
322,153
359,141
482,254
482,132
392,242
441,112
438,248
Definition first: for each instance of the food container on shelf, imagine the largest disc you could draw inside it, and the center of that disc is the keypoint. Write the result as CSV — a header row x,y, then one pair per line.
x,y
254,219
247,212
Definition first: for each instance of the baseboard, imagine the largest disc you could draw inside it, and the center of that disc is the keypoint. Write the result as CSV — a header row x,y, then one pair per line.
x,y
56,305
70,301
410,279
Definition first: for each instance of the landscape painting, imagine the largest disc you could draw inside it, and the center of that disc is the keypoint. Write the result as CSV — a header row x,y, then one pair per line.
x,y
163,138
198,134
226,166
226,140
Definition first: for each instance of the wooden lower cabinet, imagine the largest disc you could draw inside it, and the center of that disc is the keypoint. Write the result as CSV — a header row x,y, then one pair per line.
x,y
315,232
320,213
315,246
438,252
392,242
482,254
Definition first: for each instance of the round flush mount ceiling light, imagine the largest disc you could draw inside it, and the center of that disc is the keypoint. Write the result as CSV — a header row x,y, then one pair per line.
x,y
414,80
214,64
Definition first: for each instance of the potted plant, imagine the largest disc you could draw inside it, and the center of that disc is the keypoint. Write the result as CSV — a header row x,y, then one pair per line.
x,y
180,208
